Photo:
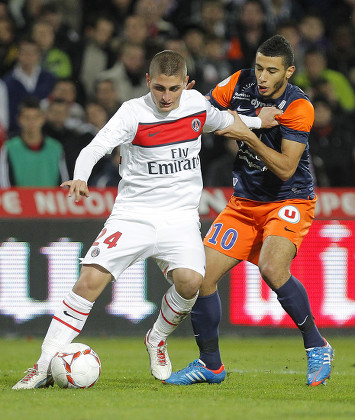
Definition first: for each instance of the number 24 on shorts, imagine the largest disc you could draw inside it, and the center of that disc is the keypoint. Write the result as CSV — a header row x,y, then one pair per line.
x,y
111,240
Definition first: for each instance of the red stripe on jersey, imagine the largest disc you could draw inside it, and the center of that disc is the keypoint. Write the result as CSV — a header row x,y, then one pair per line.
x,y
169,132
66,324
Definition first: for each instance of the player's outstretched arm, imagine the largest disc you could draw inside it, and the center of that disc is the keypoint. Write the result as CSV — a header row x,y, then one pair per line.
x,y
76,187
267,116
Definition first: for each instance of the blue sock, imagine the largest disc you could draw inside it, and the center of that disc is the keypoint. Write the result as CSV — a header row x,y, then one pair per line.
x,y
294,299
206,315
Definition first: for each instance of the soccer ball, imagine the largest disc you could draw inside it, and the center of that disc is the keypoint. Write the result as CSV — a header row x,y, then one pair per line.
x,y
76,366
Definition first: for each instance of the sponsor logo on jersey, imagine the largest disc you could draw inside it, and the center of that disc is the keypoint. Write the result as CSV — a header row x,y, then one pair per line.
x,y
172,167
241,96
240,109
290,213
196,125
153,134
251,159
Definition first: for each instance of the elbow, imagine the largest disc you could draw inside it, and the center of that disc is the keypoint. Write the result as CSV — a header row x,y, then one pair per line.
x,y
285,175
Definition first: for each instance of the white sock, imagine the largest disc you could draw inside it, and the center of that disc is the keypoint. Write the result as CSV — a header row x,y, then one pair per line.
x,y
66,324
174,309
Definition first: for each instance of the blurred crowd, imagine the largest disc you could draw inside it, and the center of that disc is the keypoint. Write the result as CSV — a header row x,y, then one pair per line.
x,y
66,66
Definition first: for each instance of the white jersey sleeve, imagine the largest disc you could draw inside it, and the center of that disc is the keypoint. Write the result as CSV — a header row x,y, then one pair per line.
x,y
224,118
216,119
120,129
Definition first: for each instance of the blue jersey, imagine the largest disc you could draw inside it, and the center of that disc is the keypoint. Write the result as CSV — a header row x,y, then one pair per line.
x,y
251,178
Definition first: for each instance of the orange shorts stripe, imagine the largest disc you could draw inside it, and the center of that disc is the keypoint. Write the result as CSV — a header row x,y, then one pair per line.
x,y
241,228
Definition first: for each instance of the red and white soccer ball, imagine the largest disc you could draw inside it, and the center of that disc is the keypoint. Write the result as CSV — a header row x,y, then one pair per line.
x,y
76,366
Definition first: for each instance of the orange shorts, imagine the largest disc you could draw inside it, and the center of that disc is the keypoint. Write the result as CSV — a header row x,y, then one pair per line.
x,y
241,228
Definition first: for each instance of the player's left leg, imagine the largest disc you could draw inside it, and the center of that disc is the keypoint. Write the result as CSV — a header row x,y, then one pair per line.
x,y
275,259
176,305
180,256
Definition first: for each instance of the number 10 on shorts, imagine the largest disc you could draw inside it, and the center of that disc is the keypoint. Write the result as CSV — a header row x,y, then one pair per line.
x,y
227,240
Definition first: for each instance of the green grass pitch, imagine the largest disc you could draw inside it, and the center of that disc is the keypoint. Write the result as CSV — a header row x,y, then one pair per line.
x,y
265,380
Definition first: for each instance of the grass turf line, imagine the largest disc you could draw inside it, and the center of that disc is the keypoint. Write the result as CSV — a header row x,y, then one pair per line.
x,y
265,380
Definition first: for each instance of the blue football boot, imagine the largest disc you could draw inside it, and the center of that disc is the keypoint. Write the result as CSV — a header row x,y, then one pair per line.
x,y
196,372
319,364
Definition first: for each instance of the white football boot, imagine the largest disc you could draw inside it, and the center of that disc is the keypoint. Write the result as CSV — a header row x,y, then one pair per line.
x,y
34,379
160,364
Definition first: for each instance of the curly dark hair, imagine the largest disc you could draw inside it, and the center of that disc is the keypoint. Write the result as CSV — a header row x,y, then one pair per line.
x,y
278,46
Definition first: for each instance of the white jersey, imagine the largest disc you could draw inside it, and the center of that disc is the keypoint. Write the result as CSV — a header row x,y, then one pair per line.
x,y
160,165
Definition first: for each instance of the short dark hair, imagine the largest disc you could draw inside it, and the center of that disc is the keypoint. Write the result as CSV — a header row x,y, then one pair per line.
x,y
168,62
278,46
29,102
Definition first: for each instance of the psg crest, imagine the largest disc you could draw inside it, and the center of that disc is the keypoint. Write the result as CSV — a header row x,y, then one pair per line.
x,y
95,252
196,125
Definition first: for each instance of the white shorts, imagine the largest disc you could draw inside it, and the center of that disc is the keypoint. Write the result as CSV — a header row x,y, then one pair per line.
x,y
172,244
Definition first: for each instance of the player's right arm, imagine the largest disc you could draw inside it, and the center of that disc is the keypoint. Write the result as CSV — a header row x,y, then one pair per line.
x,y
119,130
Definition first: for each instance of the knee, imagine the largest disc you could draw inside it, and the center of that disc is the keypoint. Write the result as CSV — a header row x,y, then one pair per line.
x,y
273,274
91,282
188,285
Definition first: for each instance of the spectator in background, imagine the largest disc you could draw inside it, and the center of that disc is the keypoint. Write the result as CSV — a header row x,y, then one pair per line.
x,y
66,36
106,96
57,115
95,53
194,39
128,74
4,115
290,30
109,174
65,89
53,59
331,145
135,30
4,111
153,12
215,67
213,19
8,46
24,13
26,79
280,11
95,119
341,53
313,32
3,9
315,70
247,34
32,159
118,10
